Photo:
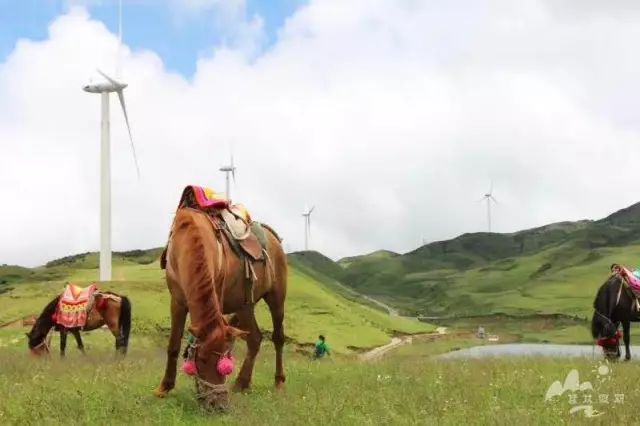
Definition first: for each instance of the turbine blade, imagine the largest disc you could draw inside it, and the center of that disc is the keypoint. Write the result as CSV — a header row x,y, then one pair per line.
x,y
112,81
126,118
311,209
494,199
491,187
118,58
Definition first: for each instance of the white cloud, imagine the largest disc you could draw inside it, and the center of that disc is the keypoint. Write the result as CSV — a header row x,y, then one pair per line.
x,y
390,117
239,31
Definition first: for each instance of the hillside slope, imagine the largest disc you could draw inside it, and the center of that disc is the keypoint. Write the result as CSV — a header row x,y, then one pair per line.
x,y
312,307
552,269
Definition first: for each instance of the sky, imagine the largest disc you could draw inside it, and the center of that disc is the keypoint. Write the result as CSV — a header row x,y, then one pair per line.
x,y
392,117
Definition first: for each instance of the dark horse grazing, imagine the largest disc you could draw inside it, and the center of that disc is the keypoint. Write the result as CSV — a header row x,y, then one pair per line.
x,y
614,305
109,308
207,280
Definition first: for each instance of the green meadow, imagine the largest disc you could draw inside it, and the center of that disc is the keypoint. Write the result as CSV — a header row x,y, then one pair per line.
x,y
554,269
312,307
408,387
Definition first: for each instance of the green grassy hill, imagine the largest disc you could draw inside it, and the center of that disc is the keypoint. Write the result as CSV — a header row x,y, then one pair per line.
x,y
551,269
313,306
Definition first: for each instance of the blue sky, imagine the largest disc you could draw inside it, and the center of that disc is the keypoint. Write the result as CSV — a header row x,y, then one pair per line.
x,y
150,24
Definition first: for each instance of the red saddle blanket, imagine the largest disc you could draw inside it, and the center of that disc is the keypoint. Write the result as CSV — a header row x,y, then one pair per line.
x,y
632,279
74,305
204,198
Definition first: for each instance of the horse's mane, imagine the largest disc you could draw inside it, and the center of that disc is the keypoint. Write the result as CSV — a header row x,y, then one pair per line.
x,y
202,292
48,310
45,321
601,299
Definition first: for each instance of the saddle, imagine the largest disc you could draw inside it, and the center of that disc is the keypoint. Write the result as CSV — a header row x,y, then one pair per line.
x,y
74,305
247,238
631,281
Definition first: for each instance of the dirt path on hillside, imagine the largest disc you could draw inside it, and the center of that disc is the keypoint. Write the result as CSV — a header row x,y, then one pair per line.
x,y
378,352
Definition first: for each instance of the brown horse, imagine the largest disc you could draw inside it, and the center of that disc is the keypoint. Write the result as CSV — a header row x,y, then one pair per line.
x,y
109,308
207,280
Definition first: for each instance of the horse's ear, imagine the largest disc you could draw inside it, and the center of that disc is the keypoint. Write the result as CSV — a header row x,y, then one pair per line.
x,y
236,332
28,335
230,318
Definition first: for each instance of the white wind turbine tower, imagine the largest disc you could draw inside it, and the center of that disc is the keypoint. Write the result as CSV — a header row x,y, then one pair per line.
x,y
489,198
307,226
104,89
229,169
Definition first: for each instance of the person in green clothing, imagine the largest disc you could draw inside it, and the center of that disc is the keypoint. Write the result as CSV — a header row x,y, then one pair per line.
x,y
190,340
321,349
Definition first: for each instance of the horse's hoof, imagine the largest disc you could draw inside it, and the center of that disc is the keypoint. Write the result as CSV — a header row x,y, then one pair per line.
x,y
160,393
240,387
279,386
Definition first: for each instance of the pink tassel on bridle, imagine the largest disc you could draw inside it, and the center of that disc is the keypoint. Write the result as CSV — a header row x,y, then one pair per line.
x,y
225,364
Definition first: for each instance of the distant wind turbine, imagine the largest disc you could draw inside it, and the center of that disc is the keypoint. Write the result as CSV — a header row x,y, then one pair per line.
x,y
489,198
229,169
105,88
307,226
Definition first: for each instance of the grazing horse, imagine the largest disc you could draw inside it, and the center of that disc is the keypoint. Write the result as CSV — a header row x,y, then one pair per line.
x,y
207,280
614,305
109,308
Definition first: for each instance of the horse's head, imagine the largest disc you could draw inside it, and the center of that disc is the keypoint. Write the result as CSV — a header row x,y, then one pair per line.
x,y
37,337
213,363
606,335
604,329
38,342
610,346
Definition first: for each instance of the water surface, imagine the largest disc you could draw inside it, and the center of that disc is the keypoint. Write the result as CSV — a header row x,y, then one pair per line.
x,y
533,349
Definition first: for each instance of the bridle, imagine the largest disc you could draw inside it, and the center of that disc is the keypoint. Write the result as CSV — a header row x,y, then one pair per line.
x,y
604,316
45,342
205,390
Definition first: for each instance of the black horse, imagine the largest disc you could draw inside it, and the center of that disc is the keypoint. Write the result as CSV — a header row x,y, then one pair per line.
x,y
614,305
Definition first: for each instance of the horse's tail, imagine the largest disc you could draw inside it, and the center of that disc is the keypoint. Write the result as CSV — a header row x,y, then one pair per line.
x,y
125,320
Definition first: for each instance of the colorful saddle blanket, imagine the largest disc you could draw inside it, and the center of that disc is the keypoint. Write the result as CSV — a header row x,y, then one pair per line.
x,y
74,305
632,279
203,198
234,220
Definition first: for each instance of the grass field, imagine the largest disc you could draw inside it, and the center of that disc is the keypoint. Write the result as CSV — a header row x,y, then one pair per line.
x,y
562,279
405,388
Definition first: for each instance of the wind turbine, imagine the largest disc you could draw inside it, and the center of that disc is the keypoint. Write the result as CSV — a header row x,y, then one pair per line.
x,y
229,169
307,226
489,198
104,89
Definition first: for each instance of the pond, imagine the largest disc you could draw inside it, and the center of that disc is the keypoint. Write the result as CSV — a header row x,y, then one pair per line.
x,y
533,349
